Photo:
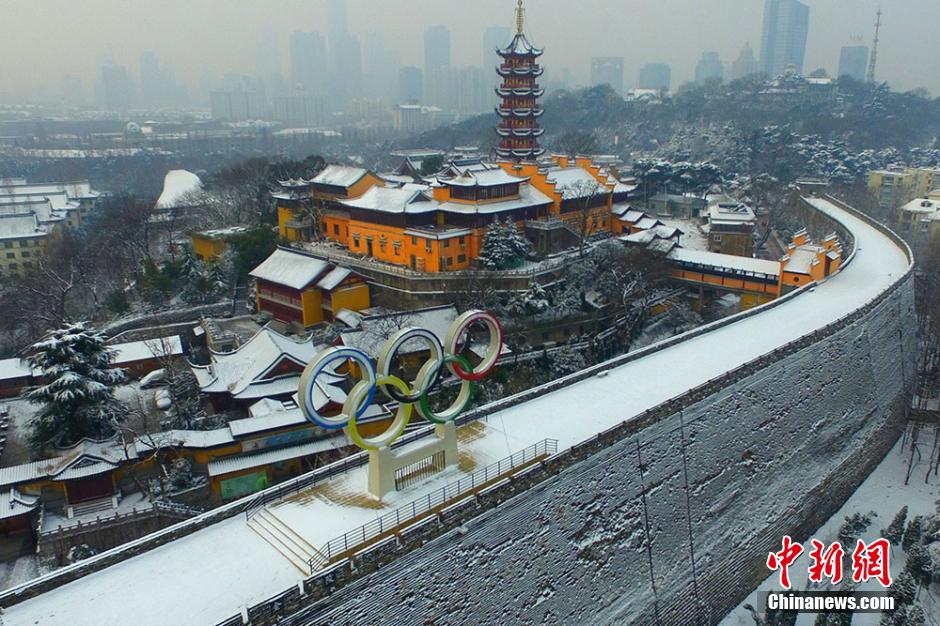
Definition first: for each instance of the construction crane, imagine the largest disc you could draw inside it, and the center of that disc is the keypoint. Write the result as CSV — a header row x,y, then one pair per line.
x,y
873,61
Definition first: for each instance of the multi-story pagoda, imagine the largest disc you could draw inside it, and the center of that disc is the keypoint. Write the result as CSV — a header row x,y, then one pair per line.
x,y
519,110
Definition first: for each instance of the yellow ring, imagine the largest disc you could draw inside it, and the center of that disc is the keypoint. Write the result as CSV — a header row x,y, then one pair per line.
x,y
402,415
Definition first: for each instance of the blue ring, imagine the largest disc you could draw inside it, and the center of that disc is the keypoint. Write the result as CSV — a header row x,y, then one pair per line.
x,y
340,353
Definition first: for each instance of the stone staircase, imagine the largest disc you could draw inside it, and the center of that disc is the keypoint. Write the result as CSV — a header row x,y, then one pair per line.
x,y
92,507
282,538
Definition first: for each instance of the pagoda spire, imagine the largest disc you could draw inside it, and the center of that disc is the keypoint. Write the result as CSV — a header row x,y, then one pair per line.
x,y
519,92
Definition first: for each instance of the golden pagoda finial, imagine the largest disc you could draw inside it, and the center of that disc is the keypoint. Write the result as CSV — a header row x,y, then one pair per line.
x,y
520,15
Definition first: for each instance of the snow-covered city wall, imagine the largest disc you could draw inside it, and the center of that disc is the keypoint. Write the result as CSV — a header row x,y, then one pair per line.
x,y
665,518
674,519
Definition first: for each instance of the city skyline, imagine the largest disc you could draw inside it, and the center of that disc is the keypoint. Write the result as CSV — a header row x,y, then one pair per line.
x,y
568,49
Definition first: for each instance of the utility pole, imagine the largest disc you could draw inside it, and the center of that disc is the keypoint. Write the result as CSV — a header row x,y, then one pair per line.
x,y
873,61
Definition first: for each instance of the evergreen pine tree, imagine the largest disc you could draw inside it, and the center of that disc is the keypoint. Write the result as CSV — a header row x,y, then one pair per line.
x,y
914,533
852,528
78,395
903,589
919,564
895,530
503,246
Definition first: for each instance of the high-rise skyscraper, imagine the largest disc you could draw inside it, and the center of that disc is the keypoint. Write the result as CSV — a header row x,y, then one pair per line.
x,y
853,61
307,61
436,63
608,71
268,65
380,67
746,64
709,67
152,89
786,23
655,76
410,85
116,87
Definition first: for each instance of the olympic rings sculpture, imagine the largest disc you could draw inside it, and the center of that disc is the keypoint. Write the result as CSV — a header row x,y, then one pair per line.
x,y
413,396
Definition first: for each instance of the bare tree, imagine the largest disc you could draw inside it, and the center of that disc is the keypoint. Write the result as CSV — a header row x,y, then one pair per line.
x,y
584,197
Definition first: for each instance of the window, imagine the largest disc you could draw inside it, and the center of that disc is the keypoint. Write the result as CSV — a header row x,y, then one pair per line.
x,y
7,244
11,255
25,254
12,267
462,241
427,245
27,265
449,260
461,258
447,243
336,229
24,243
414,241
717,238
323,227
355,240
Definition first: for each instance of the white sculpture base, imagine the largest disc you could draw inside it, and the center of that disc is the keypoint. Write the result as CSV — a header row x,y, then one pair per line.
x,y
384,463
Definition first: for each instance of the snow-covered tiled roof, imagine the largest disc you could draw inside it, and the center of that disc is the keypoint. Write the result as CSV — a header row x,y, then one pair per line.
x,y
375,330
245,374
237,463
289,268
339,175
726,261
393,200
149,349
20,226
85,458
528,196
334,278
75,190
575,182
802,260
645,223
13,503
184,439
14,368
483,178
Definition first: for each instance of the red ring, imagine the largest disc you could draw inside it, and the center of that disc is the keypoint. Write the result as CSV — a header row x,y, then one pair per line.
x,y
476,377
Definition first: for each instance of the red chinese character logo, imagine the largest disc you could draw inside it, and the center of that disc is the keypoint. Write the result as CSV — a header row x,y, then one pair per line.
x,y
826,562
784,559
871,561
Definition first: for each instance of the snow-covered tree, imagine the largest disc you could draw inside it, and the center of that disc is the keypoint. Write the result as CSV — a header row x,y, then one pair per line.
x,y
567,361
895,530
919,564
532,301
504,246
853,527
914,533
903,589
77,398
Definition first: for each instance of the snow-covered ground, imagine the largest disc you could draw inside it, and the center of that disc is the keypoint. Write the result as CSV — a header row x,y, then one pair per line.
x,y
209,575
883,492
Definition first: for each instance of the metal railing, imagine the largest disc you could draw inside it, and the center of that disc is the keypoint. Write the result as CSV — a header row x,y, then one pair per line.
x,y
448,493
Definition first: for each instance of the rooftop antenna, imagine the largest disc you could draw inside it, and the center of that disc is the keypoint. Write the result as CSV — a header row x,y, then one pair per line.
x,y
520,17
873,61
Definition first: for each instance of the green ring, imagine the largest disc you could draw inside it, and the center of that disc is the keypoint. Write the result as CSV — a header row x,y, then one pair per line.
x,y
424,404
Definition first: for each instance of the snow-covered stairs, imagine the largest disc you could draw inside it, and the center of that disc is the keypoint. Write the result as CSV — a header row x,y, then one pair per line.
x,y
103,505
282,538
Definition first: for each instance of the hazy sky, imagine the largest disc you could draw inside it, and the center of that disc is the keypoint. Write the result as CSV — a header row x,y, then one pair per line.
x,y
43,40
